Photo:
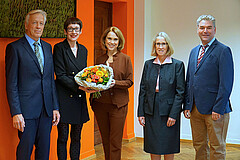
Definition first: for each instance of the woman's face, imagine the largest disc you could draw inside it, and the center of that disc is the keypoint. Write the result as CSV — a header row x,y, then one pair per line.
x,y
111,41
73,32
161,46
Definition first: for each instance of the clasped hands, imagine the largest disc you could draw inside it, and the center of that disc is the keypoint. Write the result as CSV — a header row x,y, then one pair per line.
x,y
88,90
170,121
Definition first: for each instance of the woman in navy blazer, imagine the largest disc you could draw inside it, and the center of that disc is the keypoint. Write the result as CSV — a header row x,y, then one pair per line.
x,y
160,100
70,57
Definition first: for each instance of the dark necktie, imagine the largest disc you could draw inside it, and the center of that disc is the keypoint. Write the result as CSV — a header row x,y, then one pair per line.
x,y
36,50
201,54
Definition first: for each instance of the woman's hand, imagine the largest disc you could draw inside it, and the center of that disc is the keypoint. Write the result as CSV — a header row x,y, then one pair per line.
x,y
170,122
88,90
112,83
141,121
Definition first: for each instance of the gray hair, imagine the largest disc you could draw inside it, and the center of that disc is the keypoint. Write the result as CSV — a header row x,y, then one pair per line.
x,y
35,12
207,18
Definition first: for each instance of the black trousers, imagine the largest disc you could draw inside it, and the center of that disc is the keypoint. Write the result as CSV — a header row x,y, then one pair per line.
x,y
75,135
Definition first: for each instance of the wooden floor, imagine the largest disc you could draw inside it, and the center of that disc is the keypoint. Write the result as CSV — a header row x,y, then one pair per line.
x,y
134,151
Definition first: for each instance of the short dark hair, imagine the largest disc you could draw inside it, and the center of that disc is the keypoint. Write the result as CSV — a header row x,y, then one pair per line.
x,y
72,20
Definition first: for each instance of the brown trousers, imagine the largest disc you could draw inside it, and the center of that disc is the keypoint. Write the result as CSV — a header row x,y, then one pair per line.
x,y
111,120
205,129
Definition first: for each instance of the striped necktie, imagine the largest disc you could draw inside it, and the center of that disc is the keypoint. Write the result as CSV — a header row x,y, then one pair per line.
x,y
201,54
36,50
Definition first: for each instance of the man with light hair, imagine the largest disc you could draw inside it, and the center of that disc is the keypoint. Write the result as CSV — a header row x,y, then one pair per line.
x,y
31,89
209,84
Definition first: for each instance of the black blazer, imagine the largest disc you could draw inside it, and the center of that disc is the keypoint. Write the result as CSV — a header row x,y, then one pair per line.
x,y
171,88
28,90
73,105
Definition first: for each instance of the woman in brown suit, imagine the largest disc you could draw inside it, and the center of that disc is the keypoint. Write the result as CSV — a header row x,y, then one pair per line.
x,y
111,108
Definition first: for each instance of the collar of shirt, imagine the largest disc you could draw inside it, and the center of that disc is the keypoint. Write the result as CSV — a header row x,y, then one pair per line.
x,y
209,44
166,61
31,41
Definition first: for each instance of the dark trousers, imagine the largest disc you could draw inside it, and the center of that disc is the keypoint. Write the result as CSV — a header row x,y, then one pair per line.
x,y
36,132
63,131
111,122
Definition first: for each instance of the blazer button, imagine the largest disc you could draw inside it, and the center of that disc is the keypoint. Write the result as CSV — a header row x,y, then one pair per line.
x,y
73,73
71,96
111,94
79,95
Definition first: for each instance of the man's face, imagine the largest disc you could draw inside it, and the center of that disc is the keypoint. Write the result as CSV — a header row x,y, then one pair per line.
x,y
206,31
35,26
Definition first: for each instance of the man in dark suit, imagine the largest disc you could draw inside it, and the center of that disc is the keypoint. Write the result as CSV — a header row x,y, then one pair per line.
x,y
31,89
208,87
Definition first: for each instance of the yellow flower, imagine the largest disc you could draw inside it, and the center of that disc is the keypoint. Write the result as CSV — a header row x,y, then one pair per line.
x,y
106,75
89,80
104,70
99,73
100,80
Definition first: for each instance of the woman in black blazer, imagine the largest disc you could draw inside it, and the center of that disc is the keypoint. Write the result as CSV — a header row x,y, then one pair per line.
x,y
70,57
160,100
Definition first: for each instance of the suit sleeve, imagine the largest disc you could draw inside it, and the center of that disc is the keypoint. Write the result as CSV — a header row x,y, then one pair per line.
x,y
186,105
226,75
11,68
142,93
180,89
61,70
128,81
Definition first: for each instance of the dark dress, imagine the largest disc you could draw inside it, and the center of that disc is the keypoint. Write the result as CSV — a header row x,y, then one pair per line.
x,y
72,101
156,107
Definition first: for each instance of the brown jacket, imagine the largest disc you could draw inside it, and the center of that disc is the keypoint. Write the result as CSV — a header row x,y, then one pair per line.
x,y
123,75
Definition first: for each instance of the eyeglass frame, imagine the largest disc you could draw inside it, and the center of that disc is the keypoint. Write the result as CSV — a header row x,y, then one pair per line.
x,y
77,29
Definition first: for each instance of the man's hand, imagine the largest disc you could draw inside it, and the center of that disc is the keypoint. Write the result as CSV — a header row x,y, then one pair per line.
x,y
170,122
56,117
18,122
187,114
215,116
141,121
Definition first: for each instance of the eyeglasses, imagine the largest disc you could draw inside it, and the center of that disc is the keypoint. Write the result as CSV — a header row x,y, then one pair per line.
x,y
161,44
72,29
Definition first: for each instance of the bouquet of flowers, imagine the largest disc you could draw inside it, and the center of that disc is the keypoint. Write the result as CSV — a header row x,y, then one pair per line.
x,y
98,77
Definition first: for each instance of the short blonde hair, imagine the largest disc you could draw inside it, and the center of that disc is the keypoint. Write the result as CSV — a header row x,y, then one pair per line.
x,y
35,12
118,34
170,50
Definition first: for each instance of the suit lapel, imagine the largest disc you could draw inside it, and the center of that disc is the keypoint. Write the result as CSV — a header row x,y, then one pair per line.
x,y
27,46
206,55
44,48
196,57
76,61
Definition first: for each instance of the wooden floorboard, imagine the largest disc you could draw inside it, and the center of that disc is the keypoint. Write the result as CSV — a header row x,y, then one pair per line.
x,y
134,151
